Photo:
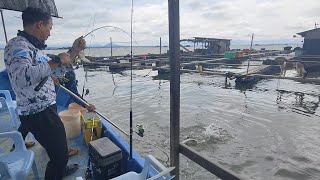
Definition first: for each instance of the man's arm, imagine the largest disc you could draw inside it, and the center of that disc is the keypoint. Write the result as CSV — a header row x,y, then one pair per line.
x,y
21,70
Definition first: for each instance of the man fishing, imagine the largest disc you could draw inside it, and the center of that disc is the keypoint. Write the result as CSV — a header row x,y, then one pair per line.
x,y
27,66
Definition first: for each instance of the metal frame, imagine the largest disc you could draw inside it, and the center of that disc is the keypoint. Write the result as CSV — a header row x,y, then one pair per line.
x,y
174,56
175,147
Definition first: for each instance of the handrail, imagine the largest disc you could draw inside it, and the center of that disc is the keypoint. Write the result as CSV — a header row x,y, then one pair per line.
x,y
212,167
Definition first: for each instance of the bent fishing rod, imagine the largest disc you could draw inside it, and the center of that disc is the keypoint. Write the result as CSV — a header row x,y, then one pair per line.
x,y
40,85
84,102
105,27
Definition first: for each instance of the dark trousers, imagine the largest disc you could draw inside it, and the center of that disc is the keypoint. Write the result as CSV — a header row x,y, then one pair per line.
x,y
48,129
24,131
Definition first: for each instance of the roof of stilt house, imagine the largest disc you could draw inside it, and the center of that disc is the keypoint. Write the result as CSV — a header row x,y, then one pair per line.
x,y
205,39
305,33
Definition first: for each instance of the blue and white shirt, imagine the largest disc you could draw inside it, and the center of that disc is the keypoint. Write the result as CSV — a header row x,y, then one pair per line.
x,y
27,66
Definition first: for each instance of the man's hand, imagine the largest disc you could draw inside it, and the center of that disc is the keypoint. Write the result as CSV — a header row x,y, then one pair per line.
x,y
65,58
79,44
55,80
91,108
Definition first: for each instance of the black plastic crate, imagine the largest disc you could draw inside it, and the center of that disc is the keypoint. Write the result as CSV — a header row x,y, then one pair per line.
x,y
105,158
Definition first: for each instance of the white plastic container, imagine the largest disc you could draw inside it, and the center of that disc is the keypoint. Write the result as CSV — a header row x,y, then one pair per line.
x,y
71,122
78,107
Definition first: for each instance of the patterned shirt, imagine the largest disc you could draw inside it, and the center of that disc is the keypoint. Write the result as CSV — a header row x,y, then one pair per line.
x,y
27,66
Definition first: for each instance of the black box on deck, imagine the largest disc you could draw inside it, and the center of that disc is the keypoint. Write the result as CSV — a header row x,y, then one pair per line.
x,y
105,158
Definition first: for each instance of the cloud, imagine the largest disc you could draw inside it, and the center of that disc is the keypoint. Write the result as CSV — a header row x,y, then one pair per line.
x,y
234,19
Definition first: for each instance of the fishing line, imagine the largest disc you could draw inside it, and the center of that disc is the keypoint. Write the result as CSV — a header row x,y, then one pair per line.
x,y
156,62
148,73
94,19
86,70
88,25
114,83
108,26
117,28
154,145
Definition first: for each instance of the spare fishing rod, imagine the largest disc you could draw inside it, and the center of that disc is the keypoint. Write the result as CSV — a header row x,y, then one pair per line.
x,y
131,118
85,103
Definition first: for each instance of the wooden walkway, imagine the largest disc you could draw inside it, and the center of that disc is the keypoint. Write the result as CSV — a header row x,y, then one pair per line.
x,y
252,73
309,80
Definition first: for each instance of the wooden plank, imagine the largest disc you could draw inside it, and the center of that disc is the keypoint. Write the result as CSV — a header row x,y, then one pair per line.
x,y
283,77
255,70
205,72
223,73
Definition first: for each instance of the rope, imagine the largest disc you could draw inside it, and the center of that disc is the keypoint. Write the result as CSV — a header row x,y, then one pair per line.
x,y
154,145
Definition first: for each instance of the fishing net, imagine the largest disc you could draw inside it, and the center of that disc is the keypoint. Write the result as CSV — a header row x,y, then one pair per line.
x,y
19,5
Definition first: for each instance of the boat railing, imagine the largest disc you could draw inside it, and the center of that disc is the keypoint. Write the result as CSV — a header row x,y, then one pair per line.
x,y
210,166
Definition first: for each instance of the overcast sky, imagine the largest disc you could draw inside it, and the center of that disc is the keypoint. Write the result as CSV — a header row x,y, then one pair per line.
x,y
272,21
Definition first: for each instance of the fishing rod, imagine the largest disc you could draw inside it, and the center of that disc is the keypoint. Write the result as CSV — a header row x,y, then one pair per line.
x,y
131,116
44,80
105,27
84,102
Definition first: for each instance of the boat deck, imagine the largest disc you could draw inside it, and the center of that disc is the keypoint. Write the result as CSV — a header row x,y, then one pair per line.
x,y
41,156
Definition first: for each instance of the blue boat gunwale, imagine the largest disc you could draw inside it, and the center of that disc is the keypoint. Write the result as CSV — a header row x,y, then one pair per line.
x,y
135,164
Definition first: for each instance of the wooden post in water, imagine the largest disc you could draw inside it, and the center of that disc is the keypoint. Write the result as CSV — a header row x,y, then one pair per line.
x,y
194,47
250,53
160,54
174,50
4,26
160,48
111,46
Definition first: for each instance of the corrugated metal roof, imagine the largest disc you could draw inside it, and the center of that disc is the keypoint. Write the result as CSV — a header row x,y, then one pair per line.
x,y
19,5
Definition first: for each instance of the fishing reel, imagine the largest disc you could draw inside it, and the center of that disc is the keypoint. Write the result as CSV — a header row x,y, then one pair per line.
x,y
87,92
140,130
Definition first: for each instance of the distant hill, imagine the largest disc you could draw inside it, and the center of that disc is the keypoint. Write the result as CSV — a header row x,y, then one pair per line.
x,y
113,45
